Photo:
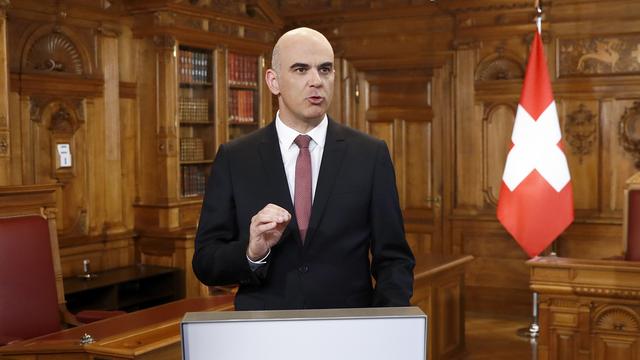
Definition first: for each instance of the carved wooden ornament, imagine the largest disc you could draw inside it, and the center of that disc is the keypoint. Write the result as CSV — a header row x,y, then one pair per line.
x,y
55,52
629,132
580,129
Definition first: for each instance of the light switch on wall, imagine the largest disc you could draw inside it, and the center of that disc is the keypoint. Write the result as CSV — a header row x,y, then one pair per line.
x,y
64,155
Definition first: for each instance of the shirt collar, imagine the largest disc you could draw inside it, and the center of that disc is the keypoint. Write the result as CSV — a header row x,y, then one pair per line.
x,y
287,135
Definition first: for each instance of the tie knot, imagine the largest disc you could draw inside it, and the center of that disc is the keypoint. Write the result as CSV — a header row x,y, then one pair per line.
x,y
303,141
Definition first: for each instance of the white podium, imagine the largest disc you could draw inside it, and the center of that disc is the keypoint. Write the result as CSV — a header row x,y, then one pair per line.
x,y
330,334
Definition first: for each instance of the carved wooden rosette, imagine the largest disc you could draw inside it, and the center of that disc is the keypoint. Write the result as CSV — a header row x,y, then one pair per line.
x,y
629,132
499,66
580,129
54,52
615,318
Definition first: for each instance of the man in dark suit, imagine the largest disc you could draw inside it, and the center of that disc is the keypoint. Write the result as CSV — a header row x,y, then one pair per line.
x,y
303,212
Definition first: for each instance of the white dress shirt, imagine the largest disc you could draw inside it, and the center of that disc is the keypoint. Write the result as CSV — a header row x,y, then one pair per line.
x,y
289,151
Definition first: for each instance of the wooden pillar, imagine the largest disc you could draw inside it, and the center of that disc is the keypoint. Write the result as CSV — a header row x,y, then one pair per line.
x,y
5,145
112,164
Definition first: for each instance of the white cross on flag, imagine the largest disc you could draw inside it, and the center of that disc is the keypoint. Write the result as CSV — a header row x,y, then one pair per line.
x,y
536,197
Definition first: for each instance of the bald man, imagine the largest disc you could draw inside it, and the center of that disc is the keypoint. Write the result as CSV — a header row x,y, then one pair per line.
x,y
304,212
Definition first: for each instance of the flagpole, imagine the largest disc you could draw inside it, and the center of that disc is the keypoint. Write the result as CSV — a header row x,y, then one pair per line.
x,y
533,330
538,5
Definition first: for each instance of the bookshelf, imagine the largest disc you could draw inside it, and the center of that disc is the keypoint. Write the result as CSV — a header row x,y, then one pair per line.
x,y
243,89
196,116
200,86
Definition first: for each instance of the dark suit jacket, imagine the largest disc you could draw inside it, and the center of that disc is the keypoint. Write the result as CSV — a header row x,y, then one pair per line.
x,y
355,212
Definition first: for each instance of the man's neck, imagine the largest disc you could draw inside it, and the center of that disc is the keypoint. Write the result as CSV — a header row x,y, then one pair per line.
x,y
302,127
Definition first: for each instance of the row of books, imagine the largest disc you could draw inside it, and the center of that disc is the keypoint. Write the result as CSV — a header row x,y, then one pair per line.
x,y
243,70
193,110
241,107
191,149
193,180
194,67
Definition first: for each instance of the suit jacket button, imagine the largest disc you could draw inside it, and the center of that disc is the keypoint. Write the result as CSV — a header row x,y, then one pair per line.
x,y
303,268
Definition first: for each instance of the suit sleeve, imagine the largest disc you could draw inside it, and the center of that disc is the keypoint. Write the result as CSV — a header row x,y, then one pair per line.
x,y
392,261
220,254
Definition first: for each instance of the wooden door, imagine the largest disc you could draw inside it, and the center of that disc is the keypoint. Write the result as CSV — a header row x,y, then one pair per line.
x,y
396,106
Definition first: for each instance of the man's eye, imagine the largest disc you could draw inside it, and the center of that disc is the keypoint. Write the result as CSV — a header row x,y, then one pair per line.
x,y
325,70
300,70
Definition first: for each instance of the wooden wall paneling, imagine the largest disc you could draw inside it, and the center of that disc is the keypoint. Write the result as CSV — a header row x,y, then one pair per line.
x,y
498,120
5,130
128,130
468,161
16,138
48,121
344,105
349,98
442,92
362,97
147,142
64,89
580,124
592,240
617,165
335,109
167,154
497,277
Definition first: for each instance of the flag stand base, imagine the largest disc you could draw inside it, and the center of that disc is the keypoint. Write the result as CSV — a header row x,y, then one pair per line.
x,y
533,331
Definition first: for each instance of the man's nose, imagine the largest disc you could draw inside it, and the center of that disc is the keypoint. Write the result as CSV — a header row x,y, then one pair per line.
x,y
315,79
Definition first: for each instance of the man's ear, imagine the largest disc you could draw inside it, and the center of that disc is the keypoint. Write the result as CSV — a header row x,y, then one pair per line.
x,y
271,78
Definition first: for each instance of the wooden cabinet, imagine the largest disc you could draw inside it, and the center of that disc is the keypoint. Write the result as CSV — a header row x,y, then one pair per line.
x,y
589,309
200,85
439,292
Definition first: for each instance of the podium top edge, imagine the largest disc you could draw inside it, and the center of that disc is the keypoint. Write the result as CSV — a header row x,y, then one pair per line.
x,y
310,314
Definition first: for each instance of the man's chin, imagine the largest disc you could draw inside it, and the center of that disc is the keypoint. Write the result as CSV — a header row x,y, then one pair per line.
x,y
317,113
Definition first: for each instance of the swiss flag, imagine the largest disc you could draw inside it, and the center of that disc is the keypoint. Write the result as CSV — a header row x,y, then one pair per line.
x,y
536,197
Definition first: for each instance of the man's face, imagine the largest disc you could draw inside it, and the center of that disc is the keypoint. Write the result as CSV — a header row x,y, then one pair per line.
x,y
305,80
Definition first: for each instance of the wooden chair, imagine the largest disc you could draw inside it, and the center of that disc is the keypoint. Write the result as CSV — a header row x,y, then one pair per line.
x,y
32,299
631,218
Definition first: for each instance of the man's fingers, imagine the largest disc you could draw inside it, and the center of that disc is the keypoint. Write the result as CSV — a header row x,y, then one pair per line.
x,y
275,208
265,216
265,227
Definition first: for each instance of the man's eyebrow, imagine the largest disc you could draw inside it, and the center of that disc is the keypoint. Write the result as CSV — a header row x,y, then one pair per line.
x,y
326,64
299,65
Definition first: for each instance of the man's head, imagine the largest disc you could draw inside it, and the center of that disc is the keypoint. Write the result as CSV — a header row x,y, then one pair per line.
x,y
302,77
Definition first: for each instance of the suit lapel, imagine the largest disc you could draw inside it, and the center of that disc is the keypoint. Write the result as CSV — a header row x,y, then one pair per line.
x,y
335,146
274,168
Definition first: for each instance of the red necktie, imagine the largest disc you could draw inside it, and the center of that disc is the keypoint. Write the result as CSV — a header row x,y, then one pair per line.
x,y
302,197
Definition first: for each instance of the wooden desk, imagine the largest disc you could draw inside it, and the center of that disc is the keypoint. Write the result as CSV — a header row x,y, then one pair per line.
x,y
439,292
128,288
588,309
152,333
